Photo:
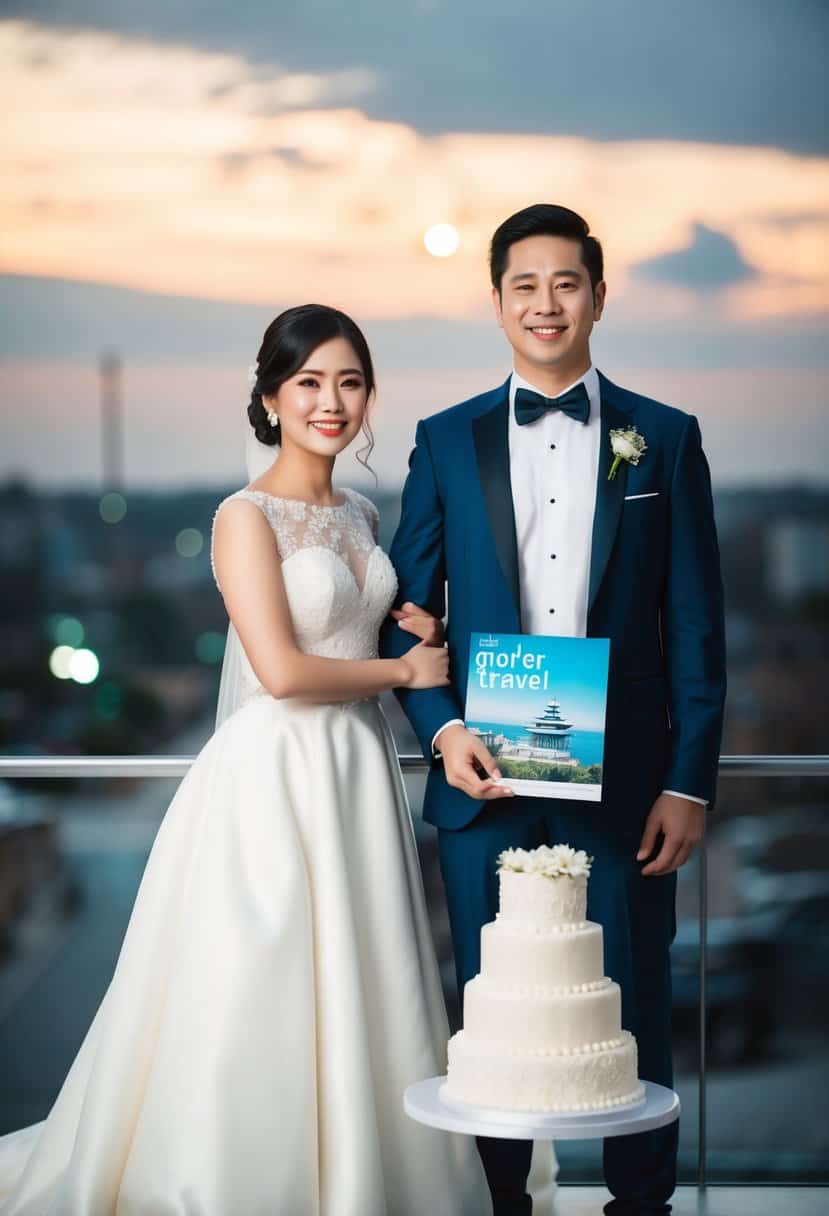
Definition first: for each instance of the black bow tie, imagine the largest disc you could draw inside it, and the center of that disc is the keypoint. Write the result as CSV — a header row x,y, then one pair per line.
x,y
529,405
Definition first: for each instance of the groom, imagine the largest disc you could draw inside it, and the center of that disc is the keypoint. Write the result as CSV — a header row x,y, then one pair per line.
x,y
510,508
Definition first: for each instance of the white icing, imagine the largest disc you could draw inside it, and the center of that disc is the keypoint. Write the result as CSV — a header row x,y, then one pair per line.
x,y
534,899
486,1075
512,957
541,1018
542,1023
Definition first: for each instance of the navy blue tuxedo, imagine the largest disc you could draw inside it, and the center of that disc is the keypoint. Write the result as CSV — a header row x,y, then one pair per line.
x,y
655,590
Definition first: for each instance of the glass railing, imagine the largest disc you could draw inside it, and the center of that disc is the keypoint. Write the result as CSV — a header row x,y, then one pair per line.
x,y
750,960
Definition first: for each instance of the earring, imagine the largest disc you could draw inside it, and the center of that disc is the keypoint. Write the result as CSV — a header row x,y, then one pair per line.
x,y
273,417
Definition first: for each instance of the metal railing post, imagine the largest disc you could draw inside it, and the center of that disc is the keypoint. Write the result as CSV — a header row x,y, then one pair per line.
x,y
702,1147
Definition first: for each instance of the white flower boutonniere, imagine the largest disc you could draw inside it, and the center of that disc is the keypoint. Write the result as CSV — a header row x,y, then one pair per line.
x,y
627,445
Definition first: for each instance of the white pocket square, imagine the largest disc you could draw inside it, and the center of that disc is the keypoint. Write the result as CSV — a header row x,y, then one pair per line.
x,y
653,494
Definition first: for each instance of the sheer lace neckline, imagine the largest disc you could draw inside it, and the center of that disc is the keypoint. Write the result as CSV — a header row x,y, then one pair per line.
x,y
301,502
338,581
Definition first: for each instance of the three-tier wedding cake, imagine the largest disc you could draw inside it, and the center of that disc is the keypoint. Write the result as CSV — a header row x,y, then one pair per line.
x,y
542,1023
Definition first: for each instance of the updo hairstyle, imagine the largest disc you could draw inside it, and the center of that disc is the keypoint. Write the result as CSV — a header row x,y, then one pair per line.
x,y
288,342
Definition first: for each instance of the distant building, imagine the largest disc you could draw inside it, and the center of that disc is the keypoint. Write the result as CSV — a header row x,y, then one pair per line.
x,y
797,557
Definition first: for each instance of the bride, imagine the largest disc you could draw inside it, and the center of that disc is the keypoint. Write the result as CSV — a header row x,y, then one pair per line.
x,y
277,989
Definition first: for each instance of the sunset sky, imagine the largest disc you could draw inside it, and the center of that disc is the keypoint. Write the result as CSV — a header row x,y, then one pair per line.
x,y
169,186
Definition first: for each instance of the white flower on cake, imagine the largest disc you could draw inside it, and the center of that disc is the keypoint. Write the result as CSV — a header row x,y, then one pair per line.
x,y
557,862
519,860
562,859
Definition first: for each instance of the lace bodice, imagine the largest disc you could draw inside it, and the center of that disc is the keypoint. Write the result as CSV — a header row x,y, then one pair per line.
x,y
339,582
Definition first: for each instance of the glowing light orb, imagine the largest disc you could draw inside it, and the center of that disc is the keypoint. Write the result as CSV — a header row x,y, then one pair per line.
x,y
441,240
60,660
84,666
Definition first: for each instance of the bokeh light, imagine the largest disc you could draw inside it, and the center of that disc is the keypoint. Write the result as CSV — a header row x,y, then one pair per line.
x,y
210,647
189,542
84,666
113,507
67,630
60,660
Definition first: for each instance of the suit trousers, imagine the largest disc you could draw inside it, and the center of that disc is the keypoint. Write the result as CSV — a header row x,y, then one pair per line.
x,y
638,917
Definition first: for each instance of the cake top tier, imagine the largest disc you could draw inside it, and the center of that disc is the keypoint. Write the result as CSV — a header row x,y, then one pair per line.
x,y
544,888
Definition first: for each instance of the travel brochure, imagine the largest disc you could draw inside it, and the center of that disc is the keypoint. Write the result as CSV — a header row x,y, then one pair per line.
x,y
539,705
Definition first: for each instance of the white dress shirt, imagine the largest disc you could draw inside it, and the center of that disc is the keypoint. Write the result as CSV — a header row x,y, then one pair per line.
x,y
554,469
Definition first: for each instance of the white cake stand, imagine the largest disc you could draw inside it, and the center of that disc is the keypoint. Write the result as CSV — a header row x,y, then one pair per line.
x,y
424,1102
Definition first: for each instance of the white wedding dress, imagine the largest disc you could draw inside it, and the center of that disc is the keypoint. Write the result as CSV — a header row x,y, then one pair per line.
x,y
277,988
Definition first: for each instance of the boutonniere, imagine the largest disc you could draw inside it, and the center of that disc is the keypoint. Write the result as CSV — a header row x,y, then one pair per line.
x,y
627,445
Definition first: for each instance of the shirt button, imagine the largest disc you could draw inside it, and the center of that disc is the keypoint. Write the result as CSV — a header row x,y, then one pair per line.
x,y
552,447
552,555
552,610
552,500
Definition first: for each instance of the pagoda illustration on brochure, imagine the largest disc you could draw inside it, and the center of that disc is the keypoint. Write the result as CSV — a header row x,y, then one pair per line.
x,y
539,704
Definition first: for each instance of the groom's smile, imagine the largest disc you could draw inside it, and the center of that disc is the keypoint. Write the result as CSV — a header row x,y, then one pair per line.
x,y
547,333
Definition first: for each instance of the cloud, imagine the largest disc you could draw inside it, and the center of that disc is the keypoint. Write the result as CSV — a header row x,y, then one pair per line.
x,y
711,260
162,168
747,72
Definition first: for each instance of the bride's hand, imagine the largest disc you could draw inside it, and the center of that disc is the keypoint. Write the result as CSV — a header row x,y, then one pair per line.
x,y
426,666
421,623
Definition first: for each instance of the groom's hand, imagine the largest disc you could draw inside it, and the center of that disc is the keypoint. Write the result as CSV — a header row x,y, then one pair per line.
x,y
464,760
679,820
421,623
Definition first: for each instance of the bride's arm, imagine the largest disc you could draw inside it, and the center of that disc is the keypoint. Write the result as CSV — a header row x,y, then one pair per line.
x,y
249,573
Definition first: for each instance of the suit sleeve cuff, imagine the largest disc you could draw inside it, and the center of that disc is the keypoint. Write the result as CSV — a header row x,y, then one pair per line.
x,y
451,722
677,794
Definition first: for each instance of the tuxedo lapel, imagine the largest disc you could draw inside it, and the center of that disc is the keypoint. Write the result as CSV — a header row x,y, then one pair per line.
x,y
609,494
491,437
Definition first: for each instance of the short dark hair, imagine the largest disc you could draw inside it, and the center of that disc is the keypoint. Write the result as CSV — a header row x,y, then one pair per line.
x,y
544,219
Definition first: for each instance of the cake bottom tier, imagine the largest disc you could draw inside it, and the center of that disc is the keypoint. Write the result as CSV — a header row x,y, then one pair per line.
x,y
597,1078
